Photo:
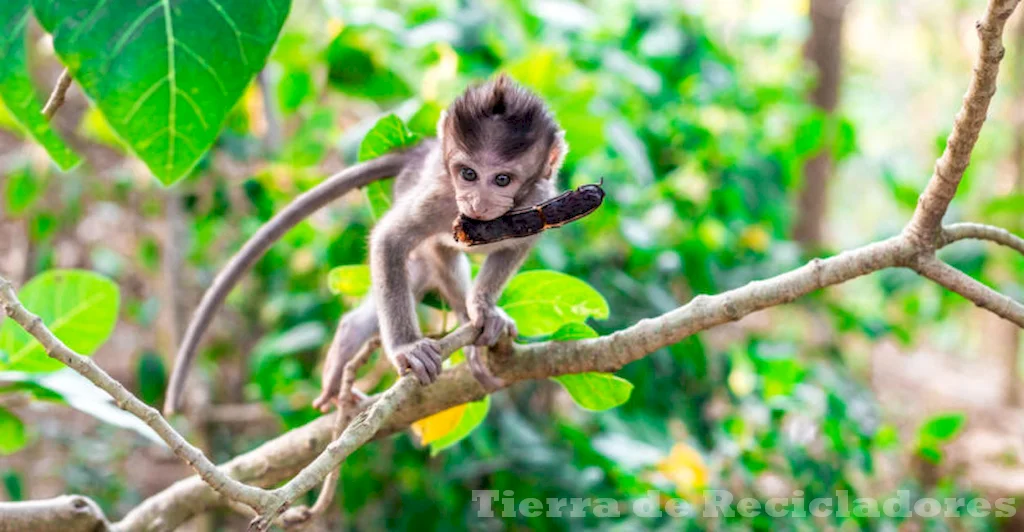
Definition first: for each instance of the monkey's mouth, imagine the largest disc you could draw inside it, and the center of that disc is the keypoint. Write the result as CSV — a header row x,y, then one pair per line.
x,y
483,215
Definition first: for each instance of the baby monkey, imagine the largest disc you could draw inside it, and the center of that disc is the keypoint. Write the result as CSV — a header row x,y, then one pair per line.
x,y
498,148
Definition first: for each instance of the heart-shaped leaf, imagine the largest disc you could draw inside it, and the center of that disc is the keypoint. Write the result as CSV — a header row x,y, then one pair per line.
x,y
16,89
165,73
542,301
79,306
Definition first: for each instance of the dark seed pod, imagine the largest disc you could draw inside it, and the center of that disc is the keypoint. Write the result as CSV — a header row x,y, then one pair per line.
x,y
555,212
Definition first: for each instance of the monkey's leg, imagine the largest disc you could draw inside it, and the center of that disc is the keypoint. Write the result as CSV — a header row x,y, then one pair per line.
x,y
450,271
354,330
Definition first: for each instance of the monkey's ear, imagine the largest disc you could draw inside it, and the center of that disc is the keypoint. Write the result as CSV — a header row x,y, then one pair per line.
x,y
559,149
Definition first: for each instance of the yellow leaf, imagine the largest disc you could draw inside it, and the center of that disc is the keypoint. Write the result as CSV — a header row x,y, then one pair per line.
x,y
435,427
685,467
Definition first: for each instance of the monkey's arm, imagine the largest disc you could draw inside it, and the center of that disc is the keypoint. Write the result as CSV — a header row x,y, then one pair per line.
x,y
301,208
393,240
498,268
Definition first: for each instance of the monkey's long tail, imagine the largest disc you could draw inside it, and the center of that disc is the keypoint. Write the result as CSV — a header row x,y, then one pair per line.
x,y
301,208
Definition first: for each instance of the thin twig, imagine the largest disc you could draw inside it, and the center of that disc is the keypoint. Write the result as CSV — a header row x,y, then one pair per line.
x,y
58,95
363,428
972,289
347,405
963,231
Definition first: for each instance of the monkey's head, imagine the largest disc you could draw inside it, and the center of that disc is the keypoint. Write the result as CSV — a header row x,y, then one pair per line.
x,y
497,140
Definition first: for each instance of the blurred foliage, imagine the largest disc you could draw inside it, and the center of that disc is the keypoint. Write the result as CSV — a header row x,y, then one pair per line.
x,y
701,145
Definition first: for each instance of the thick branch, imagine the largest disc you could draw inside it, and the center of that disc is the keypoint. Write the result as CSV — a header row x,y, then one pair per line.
x,y
67,513
58,95
949,169
963,284
963,231
255,497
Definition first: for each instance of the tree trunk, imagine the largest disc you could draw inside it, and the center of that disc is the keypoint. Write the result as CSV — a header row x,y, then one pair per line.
x,y
824,50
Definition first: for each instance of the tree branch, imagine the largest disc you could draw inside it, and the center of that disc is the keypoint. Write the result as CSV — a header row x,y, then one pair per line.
x,y
67,513
963,231
949,169
963,284
58,95
254,497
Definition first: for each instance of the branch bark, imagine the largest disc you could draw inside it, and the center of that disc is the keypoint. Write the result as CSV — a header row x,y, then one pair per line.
x,y
57,97
949,169
67,513
963,284
964,231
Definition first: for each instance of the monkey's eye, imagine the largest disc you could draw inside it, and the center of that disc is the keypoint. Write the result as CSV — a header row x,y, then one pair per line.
x,y
468,174
502,180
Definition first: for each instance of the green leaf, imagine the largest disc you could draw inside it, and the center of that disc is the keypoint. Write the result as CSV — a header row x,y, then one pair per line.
x,y
21,191
352,280
12,432
79,306
472,417
302,337
388,134
18,93
574,331
81,394
164,73
596,391
14,486
151,374
942,428
358,64
542,301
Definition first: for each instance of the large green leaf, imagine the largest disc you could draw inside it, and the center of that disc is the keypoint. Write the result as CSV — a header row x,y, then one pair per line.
x,y
79,306
542,301
12,432
472,417
596,391
165,73
388,134
16,89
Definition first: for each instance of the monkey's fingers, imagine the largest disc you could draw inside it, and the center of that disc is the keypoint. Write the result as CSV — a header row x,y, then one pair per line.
x,y
413,365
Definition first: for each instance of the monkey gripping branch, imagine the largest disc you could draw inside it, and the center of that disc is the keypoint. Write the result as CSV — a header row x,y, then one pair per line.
x,y
308,454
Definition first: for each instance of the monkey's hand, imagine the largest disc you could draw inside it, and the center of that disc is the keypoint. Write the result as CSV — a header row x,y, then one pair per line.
x,y
422,358
492,322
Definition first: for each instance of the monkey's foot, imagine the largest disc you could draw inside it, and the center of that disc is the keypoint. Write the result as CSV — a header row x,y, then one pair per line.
x,y
482,373
422,358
